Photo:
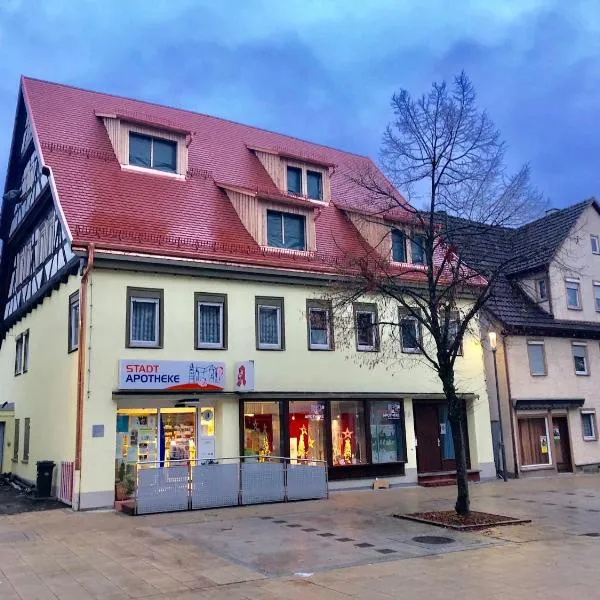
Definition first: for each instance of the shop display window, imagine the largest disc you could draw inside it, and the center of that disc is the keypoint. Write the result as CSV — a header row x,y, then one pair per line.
x,y
262,429
348,433
387,432
306,428
136,436
177,434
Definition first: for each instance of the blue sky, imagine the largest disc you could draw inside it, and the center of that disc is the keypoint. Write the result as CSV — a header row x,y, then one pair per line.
x,y
325,70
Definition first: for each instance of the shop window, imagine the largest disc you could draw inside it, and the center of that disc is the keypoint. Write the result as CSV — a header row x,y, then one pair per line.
x,y
211,321
387,432
262,429
320,325
306,428
398,246
73,342
152,153
537,358
417,249
26,438
137,438
533,438
269,324
314,185
144,318
410,332
367,328
580,359
348,433
588,425
177,434
285,230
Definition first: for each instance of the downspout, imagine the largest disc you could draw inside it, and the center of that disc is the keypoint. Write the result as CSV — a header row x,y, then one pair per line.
x,y
510,408
81,368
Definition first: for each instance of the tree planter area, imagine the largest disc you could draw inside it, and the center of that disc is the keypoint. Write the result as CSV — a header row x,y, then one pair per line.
x,y
474,521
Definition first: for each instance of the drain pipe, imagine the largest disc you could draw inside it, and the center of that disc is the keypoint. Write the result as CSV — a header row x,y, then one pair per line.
x,y
81,371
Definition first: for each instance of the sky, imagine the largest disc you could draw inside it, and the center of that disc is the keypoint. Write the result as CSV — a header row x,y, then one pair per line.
x,y
326,70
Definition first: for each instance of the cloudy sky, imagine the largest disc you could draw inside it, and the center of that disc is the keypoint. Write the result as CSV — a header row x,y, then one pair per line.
x,y
325,70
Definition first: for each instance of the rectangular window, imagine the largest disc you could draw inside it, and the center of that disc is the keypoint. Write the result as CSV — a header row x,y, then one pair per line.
x,y
542,289
26,435
595,244
19,354
387,432
398,246
573,294
410,333
26,351
262,429
597,295
580,359
348,433
294,180
367,328
417,248
453,327
314,183
269,324
588,425
320,327
73,342
537,358
145,309
211,321
15,456
306,426
285,230
152,153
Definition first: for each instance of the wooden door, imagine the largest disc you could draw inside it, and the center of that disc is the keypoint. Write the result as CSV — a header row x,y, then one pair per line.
x,y
562,447
429,456
533,438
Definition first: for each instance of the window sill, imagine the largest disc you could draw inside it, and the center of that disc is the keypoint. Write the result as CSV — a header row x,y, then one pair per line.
x,y
71,350
366,349
582,374
590,439
150,171
539,374
25,462
143,346
579,308
311,349
14,461
270,349
210,348
406,351
276,250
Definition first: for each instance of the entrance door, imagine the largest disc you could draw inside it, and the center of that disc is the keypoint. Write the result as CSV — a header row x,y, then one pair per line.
x,y
427,428
562,448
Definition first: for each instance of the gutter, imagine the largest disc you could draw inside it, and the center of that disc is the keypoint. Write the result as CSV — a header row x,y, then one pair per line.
x,y
81,366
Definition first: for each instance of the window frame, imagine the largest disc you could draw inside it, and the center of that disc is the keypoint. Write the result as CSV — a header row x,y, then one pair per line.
x,y
370,308
152,138
26,351
404,246
26,439
287,180
19,355
145,294
414,242
320,174
16,436
455,319
324,306
73,342
538,293
210,299
536,342
591,413
578,284
269,302
596,288
404,314
284,214
595,238
586,358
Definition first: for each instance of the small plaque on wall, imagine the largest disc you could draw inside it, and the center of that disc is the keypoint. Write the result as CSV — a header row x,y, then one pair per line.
x,y
97,431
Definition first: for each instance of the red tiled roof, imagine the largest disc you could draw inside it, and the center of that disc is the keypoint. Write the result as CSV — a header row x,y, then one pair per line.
x,y
163,215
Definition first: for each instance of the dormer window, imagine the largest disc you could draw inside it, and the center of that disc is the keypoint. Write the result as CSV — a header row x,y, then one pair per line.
x,y
286,230
305,182
152,153
398,246
417,248
294,180
542,290
314,185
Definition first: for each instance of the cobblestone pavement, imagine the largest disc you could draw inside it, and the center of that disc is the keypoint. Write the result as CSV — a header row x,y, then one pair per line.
x,y
348,546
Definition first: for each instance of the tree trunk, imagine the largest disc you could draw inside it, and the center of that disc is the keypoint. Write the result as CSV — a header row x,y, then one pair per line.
x,y
457,418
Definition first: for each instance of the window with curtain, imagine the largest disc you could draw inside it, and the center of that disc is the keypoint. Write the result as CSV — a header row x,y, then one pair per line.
x,y
210,324
398,246
73,322
410,333
314,183
144,317
285,230
294,180
319,325
588,425
417,247
537,359
446,441
580,359
269,324
367,338
152,153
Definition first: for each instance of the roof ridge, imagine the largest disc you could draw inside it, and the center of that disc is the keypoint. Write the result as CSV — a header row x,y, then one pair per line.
x,y
185,110
558,211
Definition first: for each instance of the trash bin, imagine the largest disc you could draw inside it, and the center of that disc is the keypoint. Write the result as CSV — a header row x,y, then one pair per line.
x,y
43,484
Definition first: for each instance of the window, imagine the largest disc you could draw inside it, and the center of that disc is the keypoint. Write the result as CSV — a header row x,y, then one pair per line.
x,y
73,342
294,180
19,354
367,329
26,351
542,289
387,432
453,327
306,425
580,359
410,333
573,294
144,318
398,246
26,435
269,324
15,456
595,244
285,230
314,184
597,295
320,329
348,433
588,425
152,153
262,429
211,321
417,248
537,358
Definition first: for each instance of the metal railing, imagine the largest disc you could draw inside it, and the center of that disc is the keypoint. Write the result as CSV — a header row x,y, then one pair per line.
x,y
165,486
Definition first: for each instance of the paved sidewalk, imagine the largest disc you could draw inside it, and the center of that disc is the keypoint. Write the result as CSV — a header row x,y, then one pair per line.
x,y
279,551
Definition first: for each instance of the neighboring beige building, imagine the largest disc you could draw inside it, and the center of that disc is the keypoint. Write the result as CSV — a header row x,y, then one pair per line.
x,y
162,290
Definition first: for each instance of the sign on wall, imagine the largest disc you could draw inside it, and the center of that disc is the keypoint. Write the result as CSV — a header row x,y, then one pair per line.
x,y
243,376
171,375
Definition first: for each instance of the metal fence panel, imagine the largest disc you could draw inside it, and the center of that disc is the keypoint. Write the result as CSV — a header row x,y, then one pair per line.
x,y
262,482
215,485
162,489
305,482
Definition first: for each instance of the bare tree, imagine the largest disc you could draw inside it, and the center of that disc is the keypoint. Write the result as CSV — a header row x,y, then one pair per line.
x,y
447,156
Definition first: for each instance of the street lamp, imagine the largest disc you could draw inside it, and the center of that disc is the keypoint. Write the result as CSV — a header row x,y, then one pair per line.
x,y
494,345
